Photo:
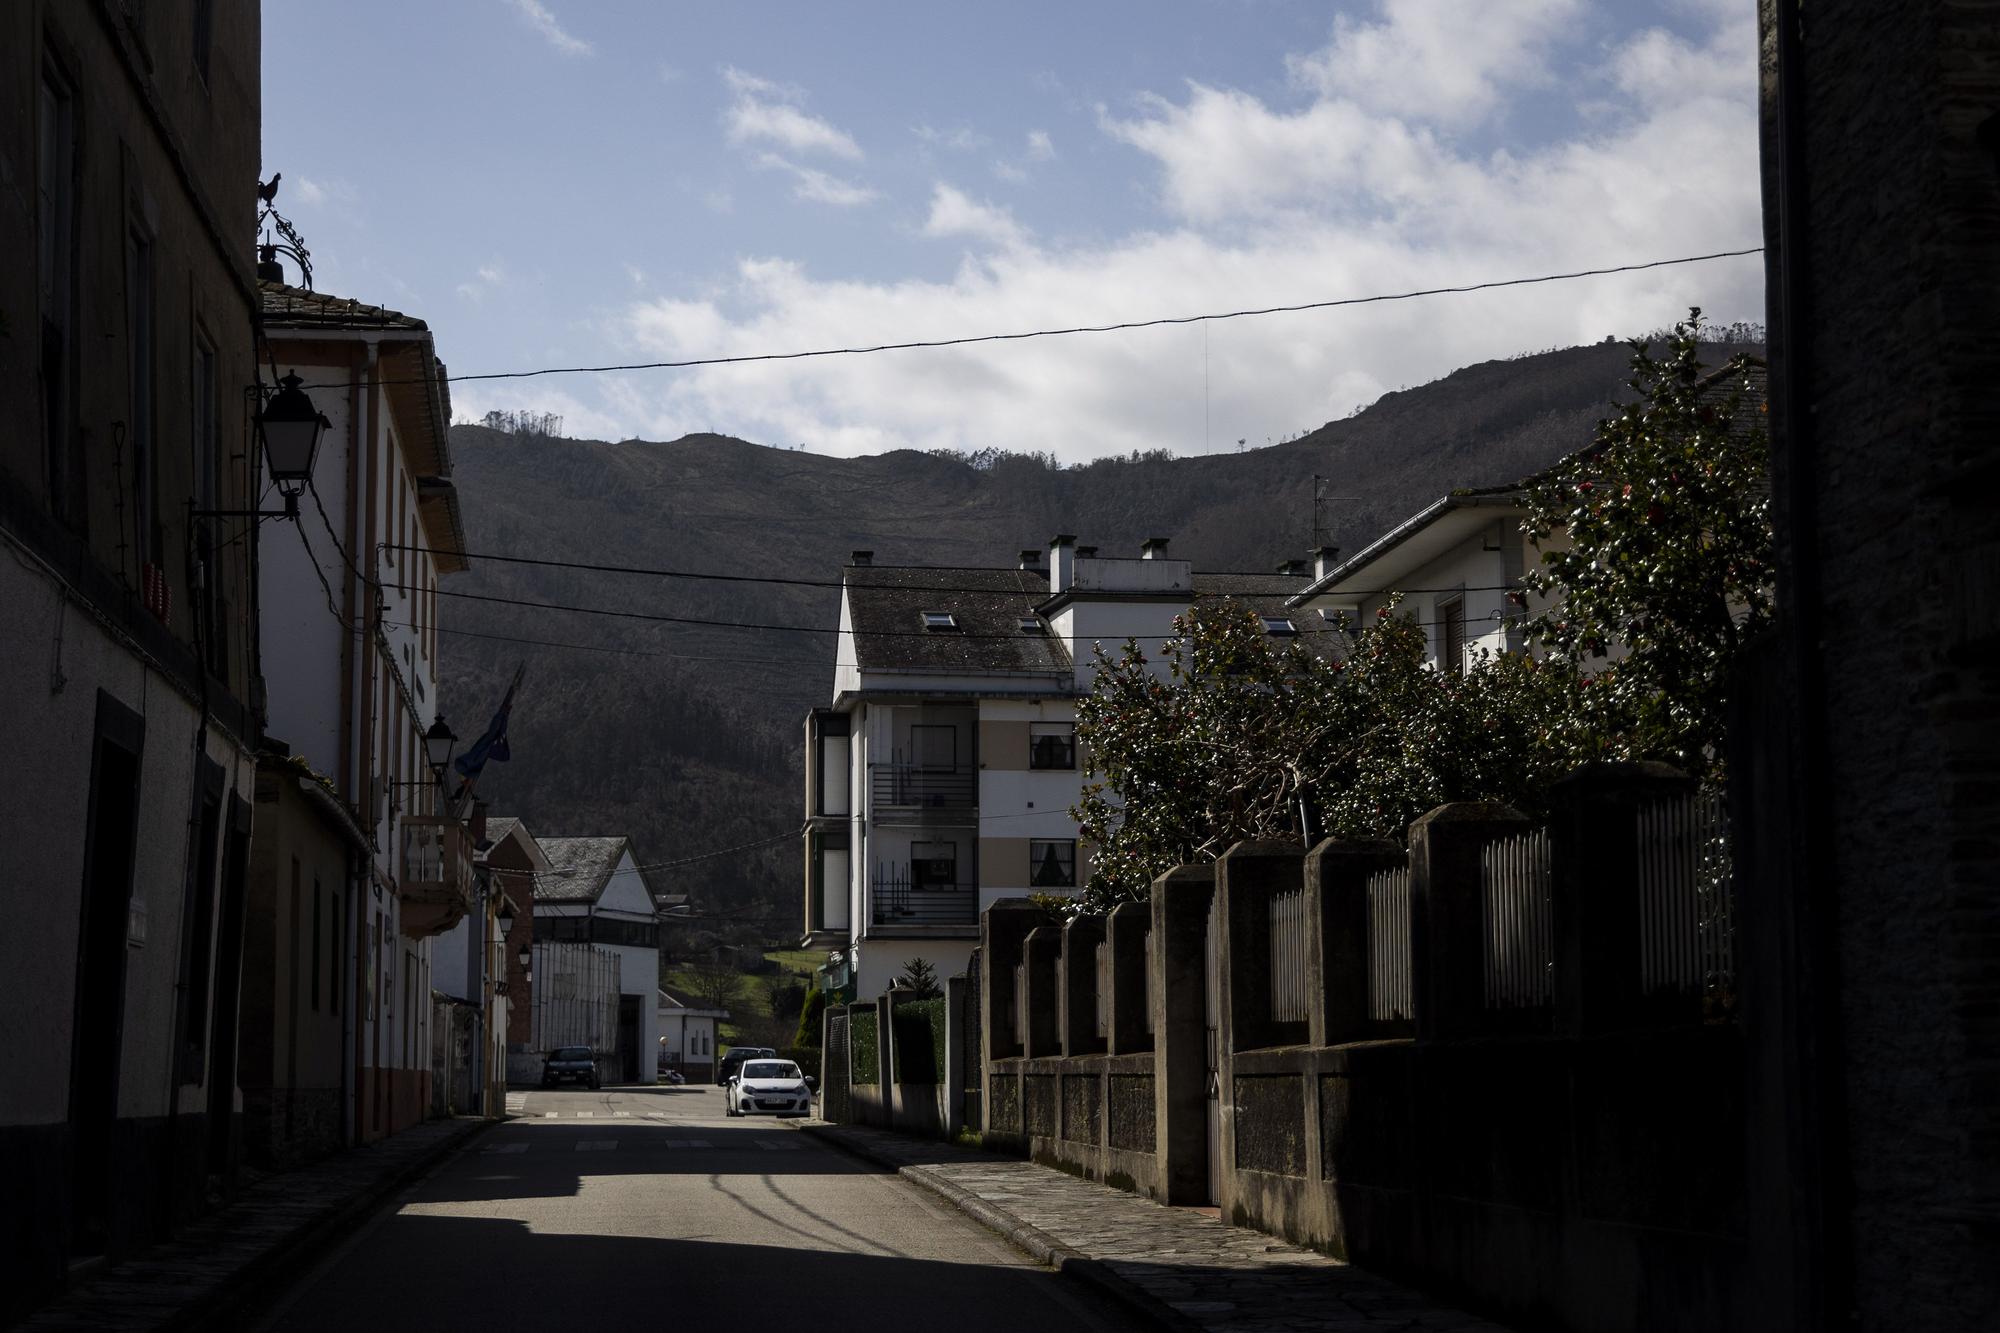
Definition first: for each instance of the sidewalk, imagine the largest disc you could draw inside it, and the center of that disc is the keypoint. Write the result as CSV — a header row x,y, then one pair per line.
x,y
1185,1269
214,1271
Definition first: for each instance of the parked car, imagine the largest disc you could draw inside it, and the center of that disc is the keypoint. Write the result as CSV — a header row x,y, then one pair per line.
x,y
570,1064
769,1087
734,1057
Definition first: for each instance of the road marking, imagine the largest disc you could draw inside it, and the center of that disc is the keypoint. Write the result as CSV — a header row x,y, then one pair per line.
x,y
506,1147
548,1115
585,1115
622,1115
777,1145
597,1145
688,1143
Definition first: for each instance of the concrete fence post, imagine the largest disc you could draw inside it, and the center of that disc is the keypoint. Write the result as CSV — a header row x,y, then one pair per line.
x,y
1247,877
1336,875
1126,931
1180,904
1447,923
954,1071
1594,888
1079,985
1003,928
1042,951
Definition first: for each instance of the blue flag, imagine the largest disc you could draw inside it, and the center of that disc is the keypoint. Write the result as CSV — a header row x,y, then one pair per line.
x,y
492,743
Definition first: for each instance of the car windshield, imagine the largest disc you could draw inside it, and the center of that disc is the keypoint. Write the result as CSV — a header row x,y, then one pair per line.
x,y
770,1069
570,1053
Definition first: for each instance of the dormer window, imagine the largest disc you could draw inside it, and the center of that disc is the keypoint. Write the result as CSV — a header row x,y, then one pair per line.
x,y
940,620
1280,625
1031,625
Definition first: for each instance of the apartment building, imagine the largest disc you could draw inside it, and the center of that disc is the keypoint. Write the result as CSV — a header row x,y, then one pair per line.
x,y
129,377
350,648
940,778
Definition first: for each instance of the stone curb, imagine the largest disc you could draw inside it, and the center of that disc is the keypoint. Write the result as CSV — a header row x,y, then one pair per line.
x,y
239,1297
1030,1240
242,1293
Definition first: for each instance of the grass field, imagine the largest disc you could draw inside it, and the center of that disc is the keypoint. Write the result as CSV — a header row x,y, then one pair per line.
x,y
752,1002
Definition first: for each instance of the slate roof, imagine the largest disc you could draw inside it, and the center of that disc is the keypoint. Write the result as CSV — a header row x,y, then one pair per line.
x,y
887,604
295,307
499,826
581,866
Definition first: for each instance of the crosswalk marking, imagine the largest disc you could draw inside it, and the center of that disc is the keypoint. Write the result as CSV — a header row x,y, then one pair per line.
x,y
548,1115
622,1115
585,1115
690,1143
777,1145
506,1147
596,1145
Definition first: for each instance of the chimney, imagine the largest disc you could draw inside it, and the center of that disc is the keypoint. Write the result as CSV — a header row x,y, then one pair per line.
x,y
861,558
1323,561
1155,548
1296,568
477,824
1062,563
1031,559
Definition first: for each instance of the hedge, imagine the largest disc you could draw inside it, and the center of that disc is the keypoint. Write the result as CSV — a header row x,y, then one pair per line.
x,y
861,1055
920,1026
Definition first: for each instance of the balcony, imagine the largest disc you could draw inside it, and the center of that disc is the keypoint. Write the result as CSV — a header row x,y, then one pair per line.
x,y
898,903
909,789
436,883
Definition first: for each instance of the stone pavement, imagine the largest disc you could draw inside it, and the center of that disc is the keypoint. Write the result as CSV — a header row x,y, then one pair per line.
x,y
1185,1268
215,1269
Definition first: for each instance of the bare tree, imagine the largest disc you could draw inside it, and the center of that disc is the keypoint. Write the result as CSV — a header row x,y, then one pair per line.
x,y
716,984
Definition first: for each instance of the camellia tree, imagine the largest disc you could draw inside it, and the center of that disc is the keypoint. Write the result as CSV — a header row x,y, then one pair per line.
x,y
1657,553
1218,740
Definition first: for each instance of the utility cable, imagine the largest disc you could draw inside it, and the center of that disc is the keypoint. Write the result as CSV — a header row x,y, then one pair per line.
x,y
1120,326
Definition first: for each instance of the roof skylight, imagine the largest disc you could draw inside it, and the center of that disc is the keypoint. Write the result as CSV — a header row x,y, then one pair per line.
x,y
1279,625
940,620
1031,625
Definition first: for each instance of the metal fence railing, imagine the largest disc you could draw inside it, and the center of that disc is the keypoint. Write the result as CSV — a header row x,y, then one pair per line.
x,y
1288,956
1101,991
833,1071
1686,896
1519,927
1389,978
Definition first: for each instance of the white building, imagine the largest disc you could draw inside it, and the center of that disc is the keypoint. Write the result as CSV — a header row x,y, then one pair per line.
x,y
688,1036
595,892
941,778
350,648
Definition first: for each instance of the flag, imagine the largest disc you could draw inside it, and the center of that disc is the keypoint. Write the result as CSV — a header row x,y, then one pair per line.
x,y
492,743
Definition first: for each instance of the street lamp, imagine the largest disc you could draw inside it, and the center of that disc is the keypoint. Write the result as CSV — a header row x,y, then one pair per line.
x,y
506,918
437,746
290,427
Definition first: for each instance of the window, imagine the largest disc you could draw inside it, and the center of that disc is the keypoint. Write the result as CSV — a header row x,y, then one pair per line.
x,y
1052,745
141,395
204,36
1031,625
55,200
935,747
933,865
940,620
1052,863
1451,635
1280,625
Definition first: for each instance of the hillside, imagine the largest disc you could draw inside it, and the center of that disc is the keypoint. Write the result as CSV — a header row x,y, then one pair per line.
x,y
689,737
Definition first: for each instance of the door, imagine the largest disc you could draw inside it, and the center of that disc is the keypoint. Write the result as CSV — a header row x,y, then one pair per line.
x,y
1211,1002
111,824
628,1038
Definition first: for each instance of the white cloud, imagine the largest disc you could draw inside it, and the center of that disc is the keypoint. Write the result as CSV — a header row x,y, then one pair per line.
x,y
1443,61
486,278
543,22
956,214
960,140
816,186
1269,202
311,193
767,112
1040,147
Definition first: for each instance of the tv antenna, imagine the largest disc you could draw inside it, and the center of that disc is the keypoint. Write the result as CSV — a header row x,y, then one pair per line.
x,y
1323,502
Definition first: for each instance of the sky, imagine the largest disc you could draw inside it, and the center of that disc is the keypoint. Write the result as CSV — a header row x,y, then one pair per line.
x,y
564,182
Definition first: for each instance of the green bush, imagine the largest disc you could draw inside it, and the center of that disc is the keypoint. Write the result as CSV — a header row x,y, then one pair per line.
x,y
805,1057
919,1030
809,1019
861,1046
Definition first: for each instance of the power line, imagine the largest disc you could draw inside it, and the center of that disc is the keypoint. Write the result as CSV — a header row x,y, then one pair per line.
x,y
597,567
1121,326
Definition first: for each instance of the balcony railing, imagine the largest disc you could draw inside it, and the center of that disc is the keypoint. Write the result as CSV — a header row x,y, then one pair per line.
x,y
911,787
436,882
899,901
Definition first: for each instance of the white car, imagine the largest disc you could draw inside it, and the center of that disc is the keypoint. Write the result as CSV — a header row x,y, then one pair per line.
x,y
768,1087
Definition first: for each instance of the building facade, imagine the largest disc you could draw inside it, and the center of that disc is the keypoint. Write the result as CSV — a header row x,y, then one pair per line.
x,y
940,779
688,1036
128,377
595,892
350,649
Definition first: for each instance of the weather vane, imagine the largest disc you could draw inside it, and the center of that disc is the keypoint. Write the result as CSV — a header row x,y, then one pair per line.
x,y
288,244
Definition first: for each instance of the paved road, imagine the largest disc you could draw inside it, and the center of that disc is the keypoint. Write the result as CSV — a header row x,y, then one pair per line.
x,y
644,1207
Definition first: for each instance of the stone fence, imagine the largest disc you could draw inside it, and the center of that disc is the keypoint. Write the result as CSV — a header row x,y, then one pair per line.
x,y
1499,1062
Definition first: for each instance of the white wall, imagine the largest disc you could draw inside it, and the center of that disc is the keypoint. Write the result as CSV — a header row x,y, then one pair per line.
x,y
882,961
